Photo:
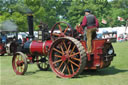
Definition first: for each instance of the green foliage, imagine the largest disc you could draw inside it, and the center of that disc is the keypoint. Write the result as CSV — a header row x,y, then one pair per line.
x,y
102,9
71,11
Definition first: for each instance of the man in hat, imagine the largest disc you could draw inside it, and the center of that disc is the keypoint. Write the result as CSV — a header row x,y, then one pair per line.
x,y
91,23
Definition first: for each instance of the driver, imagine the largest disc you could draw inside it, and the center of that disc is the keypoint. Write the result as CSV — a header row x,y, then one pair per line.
x,y
91,23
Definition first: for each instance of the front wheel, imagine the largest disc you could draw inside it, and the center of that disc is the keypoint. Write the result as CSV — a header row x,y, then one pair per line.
x,y
19,63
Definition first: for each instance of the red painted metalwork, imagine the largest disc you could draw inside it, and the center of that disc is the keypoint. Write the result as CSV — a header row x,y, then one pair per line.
x,y
40,47
2,49
80,29
97,50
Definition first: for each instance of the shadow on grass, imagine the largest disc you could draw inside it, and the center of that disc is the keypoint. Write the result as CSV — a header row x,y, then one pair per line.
x,y
106,71
7,56
34,72
101,72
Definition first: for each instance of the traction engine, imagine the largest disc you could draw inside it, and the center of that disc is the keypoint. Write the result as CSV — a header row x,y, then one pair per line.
x,y
64,51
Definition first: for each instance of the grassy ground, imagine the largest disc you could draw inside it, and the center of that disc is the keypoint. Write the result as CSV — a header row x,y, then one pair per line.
x,y
116,74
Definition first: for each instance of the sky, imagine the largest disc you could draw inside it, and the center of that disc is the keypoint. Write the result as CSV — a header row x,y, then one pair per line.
x,y
109,0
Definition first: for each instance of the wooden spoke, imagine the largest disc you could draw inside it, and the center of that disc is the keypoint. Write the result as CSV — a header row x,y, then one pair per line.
x,y
21,59
57,50
57,61
18,68
60,28
55,34
65,45
72,68
21,68
74,63
68,70
74,54
62,49
60,65
69,47
76,59
63,69
17,57
72,49
66,30
58,56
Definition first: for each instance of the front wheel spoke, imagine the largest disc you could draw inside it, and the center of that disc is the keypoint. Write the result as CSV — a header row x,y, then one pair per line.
x,y
21,68
57,51
21,58
74,63
74,54
17,57
18,69
57,61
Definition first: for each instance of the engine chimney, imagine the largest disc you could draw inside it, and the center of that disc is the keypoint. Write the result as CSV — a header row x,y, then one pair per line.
x,y
30,25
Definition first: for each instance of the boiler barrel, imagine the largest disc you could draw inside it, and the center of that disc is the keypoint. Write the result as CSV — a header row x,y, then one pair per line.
x,y
34,47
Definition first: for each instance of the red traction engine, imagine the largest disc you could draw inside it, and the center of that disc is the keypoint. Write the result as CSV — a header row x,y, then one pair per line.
x,y
63,51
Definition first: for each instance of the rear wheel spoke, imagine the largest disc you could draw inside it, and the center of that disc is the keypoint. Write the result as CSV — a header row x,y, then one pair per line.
x,y
62,49
57,61
72,68
74,54
65,45
73,49
68,70
64,69
57,50
58,56
74,63
60,65
75,59
69,47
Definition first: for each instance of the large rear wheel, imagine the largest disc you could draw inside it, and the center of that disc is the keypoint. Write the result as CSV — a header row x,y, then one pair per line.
x,y
67,57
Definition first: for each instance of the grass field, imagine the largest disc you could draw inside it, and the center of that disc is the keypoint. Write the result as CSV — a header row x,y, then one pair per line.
x,y
116,74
